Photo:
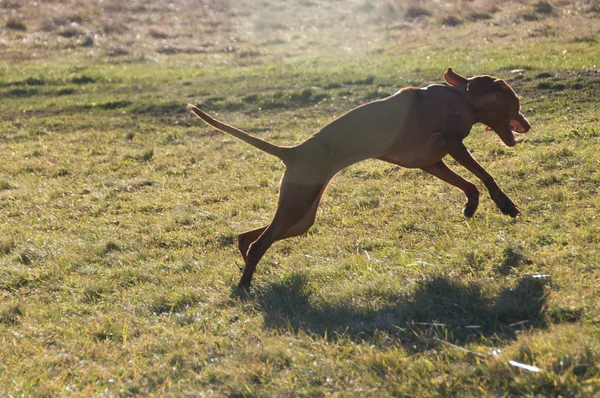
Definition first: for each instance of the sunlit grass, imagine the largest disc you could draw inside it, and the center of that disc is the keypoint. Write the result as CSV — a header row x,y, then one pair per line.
x,y
120,212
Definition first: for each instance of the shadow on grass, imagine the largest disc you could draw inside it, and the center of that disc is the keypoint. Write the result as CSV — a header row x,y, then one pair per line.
x,y
449,309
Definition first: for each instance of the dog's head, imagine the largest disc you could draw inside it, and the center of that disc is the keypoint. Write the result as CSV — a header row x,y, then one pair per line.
x,y
495,104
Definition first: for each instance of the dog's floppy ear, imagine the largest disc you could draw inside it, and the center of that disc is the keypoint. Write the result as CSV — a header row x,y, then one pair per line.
x,y
454,79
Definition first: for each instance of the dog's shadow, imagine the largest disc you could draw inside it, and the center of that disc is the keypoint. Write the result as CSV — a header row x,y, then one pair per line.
x,y
457,311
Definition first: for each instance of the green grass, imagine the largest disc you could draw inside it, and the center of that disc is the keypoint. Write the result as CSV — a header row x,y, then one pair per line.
x,y
119,211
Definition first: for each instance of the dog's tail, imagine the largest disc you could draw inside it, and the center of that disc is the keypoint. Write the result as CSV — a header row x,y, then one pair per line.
x,y
283,153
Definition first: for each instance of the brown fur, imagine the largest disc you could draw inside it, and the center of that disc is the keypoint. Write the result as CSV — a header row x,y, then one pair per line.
x,y
414,128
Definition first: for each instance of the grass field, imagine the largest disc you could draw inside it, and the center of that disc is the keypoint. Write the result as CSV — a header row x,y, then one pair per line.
x,y
119,210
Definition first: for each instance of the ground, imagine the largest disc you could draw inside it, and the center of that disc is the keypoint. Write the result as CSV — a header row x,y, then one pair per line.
x,y
120,210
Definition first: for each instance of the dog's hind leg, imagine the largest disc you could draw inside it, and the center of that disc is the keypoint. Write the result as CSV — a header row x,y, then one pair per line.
x,y
245,239
295,214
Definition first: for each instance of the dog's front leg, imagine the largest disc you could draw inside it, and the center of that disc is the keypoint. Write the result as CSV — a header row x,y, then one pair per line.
x,y
458,151
441,171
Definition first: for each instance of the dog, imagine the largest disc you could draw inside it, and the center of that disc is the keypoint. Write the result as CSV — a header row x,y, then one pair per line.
x,y
414,128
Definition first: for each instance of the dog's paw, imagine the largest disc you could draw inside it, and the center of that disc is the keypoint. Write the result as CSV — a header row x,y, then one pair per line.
x,y
507,206
470,209
242,293
471,205
244,283
514,211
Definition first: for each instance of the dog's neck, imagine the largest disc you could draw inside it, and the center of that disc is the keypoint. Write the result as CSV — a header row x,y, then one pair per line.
x,y
473,107
466,99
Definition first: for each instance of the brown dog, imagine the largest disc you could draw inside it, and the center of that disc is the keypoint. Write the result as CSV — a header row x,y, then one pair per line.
x,y
414,128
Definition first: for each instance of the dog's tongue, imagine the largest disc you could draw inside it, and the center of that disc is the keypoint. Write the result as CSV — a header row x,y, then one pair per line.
x,y
487,128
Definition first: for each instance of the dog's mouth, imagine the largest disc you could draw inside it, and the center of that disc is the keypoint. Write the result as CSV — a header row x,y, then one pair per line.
x,y
517,127
507,136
